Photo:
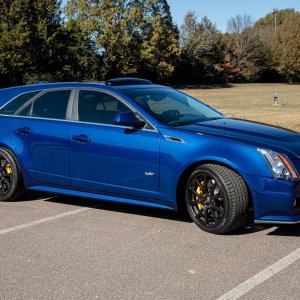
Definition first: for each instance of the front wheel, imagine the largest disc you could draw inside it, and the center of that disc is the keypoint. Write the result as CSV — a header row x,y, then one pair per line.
x,y
217,199
11,183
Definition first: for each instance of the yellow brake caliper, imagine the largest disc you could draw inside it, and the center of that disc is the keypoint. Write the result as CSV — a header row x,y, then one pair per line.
x,y
200,193
8,169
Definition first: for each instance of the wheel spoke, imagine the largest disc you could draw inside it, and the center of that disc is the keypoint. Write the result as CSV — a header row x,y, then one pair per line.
x,y
5,180
205,216
220,210
192,201
199,184
213,207
212,214
205,183
212,186
194,192
199,214
218,198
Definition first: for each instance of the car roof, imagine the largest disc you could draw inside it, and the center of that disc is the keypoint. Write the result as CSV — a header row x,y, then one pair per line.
x,y
7,94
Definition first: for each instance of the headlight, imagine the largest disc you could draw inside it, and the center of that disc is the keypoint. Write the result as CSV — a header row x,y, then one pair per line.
x,y
279,164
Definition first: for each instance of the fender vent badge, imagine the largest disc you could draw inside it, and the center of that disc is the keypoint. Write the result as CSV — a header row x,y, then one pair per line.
x,y
174,139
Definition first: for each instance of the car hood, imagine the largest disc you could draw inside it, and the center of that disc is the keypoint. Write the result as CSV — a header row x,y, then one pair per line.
x,y
251,133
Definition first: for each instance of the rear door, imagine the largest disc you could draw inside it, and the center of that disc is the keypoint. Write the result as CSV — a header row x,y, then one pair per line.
x,y
40,135
112,159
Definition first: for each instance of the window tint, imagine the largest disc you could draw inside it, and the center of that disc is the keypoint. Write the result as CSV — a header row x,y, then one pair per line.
x,y
97,107
52,105
25,111
15,104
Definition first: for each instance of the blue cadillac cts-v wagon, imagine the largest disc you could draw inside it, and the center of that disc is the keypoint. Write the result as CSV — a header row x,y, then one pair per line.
x,y
135,142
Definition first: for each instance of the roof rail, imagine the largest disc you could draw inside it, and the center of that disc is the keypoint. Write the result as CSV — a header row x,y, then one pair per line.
x,y
127,81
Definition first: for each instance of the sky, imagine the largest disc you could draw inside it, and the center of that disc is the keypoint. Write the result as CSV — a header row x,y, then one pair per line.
x,y
220,11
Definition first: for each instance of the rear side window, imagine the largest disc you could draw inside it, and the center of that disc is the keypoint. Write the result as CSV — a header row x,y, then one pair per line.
x,y
14,105
51,105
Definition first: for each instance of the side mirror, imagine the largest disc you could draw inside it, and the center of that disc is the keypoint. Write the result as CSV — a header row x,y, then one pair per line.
x,y
128,119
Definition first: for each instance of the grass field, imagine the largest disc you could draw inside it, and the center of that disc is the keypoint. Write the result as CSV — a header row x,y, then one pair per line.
x,y
253,102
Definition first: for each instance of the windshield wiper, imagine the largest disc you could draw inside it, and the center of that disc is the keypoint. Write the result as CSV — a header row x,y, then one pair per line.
x,y
184,123
214,118
193,121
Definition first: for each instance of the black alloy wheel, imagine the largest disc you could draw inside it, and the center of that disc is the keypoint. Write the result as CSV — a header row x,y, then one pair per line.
x,y
11,183
6,176
217,199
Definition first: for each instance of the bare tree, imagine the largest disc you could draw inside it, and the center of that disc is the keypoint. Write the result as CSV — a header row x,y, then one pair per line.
x,y
238,24
239,27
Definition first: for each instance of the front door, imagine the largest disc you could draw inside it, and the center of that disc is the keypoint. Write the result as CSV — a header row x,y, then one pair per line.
x,y
111,159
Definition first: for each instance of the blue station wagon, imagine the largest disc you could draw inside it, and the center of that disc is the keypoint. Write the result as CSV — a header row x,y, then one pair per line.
x,y
135,142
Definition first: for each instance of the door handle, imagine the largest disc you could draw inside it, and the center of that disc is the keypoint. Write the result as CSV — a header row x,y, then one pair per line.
x,y
81,138
24,130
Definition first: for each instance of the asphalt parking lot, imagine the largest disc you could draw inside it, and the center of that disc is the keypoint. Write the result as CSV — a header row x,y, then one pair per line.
x,y
71,248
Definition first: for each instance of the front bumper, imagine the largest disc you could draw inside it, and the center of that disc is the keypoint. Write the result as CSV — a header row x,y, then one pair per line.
x,y
275,201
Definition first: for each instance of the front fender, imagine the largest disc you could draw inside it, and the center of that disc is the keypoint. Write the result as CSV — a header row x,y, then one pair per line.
x,y
177,157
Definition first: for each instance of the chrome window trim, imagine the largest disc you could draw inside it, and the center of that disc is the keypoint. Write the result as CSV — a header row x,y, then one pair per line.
x,y
69,112
17,96
28,103
77,122
72,109
32,100
76,114
39,92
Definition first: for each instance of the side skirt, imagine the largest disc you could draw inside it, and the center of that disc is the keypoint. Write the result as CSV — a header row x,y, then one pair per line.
x,y
81,194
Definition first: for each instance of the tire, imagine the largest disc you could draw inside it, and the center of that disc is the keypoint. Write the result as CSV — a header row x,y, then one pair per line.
x,y
11,181
217,198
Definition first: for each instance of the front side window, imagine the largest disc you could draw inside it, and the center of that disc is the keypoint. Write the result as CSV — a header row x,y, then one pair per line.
x,y
14,105
51,105
99,107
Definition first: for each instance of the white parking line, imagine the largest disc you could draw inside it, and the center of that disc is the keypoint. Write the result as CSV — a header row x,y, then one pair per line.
x,y
41,221
262,276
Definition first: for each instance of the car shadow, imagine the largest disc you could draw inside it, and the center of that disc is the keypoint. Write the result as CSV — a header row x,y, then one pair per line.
x,y
279,230
286,230
122,208
33,196
248,229
182,216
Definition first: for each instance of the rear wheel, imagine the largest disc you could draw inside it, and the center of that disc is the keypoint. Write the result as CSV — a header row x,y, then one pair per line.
x,y
11,183
217,199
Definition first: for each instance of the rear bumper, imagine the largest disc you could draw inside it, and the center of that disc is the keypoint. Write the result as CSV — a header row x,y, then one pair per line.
x,y
275,201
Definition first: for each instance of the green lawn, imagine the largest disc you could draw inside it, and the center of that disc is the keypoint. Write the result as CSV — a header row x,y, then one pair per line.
x,y
253,102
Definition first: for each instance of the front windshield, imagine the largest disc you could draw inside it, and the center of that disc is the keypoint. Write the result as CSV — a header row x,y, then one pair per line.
x,y
171,107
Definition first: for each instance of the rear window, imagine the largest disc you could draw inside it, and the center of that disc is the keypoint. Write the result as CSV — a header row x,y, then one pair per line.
x,y
14,105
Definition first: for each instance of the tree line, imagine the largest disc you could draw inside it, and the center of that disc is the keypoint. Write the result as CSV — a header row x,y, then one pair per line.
x,y
95,40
